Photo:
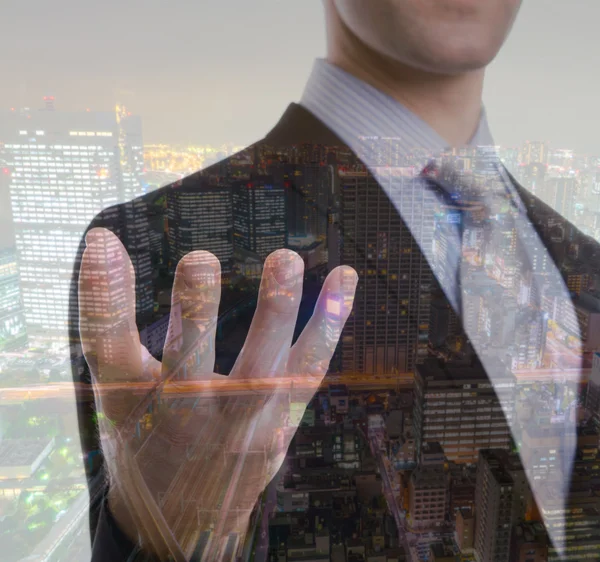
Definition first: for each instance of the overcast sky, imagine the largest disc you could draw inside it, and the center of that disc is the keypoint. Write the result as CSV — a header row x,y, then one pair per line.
x,y
211,71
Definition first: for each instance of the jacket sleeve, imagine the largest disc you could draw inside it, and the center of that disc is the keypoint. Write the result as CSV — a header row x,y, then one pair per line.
x,y
86,410
110,543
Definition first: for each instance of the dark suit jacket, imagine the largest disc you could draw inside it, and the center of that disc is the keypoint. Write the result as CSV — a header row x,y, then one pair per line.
x,y
299,142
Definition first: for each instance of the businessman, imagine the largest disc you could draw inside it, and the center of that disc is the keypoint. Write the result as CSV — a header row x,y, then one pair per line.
x,y
369,167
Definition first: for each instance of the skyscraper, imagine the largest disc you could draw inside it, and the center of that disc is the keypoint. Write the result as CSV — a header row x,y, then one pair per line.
x,y
13,333
428,489
560,193
308,188
67,167
592,399
493,509
394,277
457,406
444,322
259,215
200,218
534,152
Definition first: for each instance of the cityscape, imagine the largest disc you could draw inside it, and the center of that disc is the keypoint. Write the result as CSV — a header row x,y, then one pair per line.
x,y
406,453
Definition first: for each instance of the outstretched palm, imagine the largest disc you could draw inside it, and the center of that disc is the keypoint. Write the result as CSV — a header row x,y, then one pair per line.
x,y
202,466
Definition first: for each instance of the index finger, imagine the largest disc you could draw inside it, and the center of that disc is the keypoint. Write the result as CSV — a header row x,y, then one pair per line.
x,y
108,331
106,295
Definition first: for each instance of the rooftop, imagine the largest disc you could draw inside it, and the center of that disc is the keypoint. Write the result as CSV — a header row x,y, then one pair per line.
x,y
21,452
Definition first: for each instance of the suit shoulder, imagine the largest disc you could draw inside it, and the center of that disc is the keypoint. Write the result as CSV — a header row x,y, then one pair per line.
x,y
106,217
555,225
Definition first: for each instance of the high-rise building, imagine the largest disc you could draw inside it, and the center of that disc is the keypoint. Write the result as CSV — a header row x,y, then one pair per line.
x,y
530,336
259,215
66,168
200,218
532,165
509,156
308,188
428,489
493,509
529,543
131,154
587,308
561,194
534,152
499,324
575,525
134,219
444,322
7,235
389,327
503,252
442,552
13,332
592,399
561,158
532,176
133,228
49,103
464,530
457,406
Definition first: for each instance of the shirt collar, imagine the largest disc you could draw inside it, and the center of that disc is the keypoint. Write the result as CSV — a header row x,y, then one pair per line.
x,y
360,113
363,116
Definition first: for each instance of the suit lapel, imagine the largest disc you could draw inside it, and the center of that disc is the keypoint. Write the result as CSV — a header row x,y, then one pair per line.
x,y
540,214
298,125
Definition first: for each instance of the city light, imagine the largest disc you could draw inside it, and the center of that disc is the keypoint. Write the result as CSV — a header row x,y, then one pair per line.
x,y
334,306
409,415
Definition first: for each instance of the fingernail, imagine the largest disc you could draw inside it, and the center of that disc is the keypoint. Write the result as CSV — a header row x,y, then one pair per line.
x,y
93,236
346,292
287,268
200,270
97,235
352,278
345,281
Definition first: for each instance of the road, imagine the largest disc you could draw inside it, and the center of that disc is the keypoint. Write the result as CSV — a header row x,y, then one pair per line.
x,y
561,355
547,375
175,389
223,386
388,490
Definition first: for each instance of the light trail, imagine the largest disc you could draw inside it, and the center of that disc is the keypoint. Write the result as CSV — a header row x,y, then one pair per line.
x,y
222,386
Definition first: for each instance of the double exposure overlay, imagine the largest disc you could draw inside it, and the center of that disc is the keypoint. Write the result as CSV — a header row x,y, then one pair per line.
x,y
372,335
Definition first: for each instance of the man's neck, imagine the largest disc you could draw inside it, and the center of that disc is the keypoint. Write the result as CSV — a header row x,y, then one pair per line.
x,y
451,105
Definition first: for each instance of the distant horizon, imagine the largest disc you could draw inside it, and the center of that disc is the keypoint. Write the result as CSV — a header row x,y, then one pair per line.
x,y
195,80
174,142
242,145
178,143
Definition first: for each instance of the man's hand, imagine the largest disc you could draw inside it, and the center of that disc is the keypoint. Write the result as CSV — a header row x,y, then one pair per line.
x,y
205,466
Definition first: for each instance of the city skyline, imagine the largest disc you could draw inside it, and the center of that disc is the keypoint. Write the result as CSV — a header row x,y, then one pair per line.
x,y
406,399
331,342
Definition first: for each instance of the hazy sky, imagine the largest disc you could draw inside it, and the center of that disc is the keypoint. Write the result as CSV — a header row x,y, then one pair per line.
x,y
209,71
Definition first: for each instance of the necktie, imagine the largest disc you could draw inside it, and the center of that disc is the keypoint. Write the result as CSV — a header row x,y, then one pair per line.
x,y
451,208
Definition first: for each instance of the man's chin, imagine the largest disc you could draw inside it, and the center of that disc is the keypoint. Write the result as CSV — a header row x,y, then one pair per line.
x,y
451,62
